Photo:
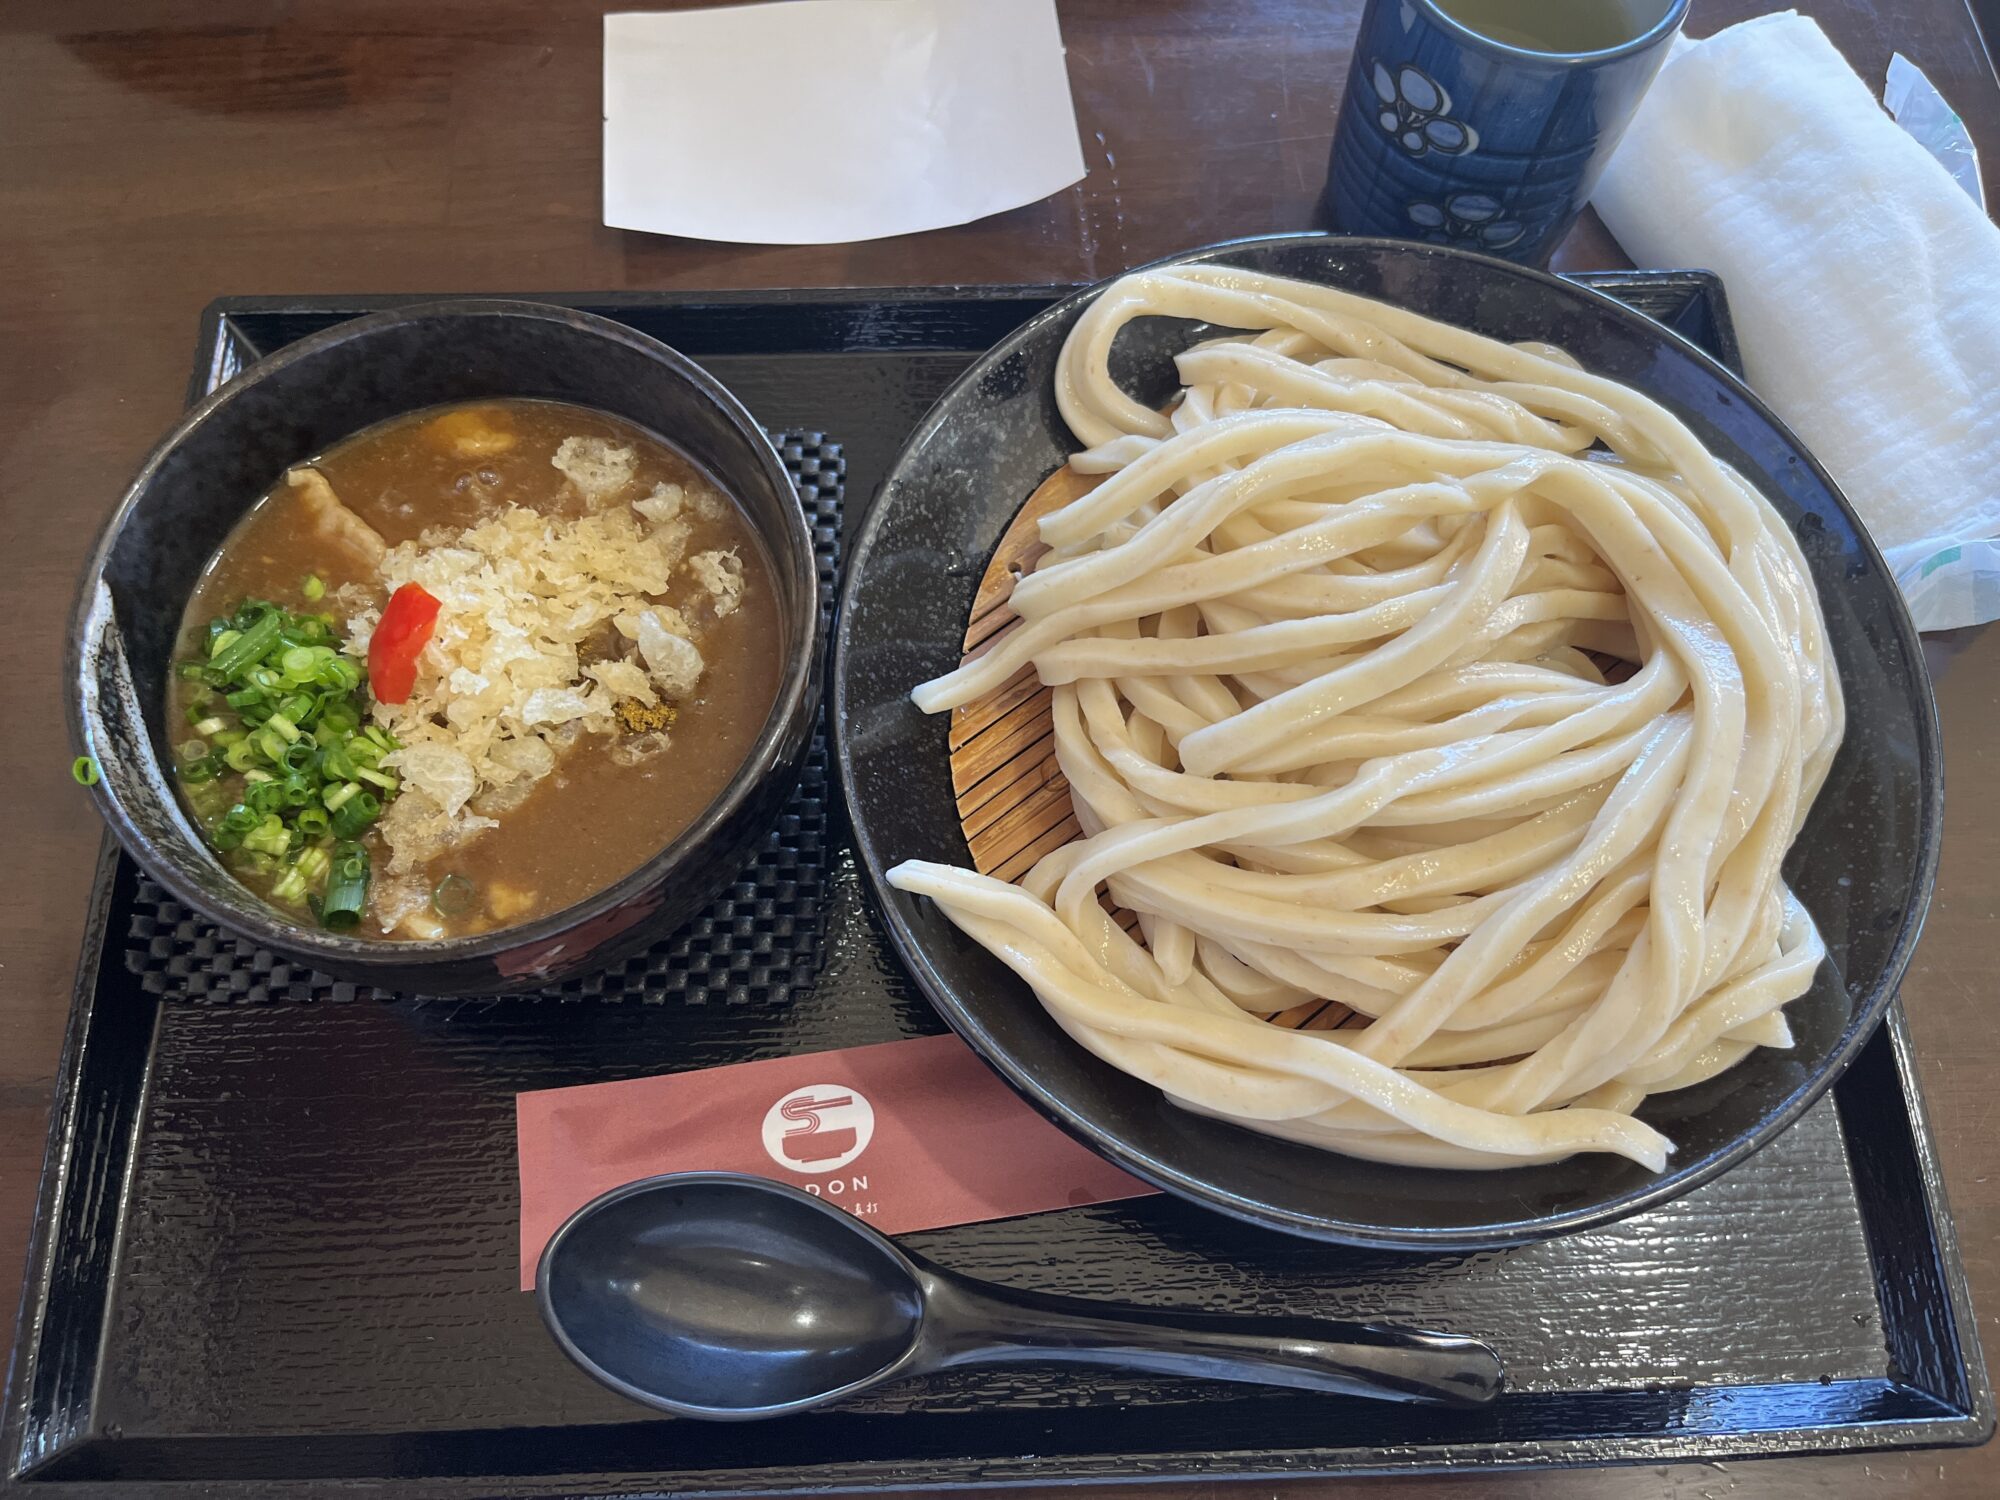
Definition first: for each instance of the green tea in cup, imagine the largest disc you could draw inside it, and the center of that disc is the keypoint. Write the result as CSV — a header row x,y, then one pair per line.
x,y
1557,26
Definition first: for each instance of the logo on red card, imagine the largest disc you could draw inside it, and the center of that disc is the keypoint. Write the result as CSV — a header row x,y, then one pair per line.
x,y
820,1128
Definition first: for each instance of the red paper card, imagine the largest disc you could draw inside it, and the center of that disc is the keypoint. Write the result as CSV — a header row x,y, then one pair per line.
x,y
907,1135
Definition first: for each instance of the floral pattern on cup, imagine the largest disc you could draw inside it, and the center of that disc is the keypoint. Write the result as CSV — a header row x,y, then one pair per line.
x,y
1414,110
1472,220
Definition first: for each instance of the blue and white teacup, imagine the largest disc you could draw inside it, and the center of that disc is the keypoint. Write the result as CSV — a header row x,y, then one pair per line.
x,y
1452,136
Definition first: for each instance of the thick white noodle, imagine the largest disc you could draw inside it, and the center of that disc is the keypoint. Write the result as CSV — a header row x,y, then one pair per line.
x,y
1329,653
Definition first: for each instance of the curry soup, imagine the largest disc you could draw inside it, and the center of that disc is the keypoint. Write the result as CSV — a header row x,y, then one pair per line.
x,y
531,639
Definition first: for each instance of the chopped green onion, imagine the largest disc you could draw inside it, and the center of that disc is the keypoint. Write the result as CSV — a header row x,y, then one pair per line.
x,y
84,771
248,647
287,717
307,869
334,672
305,872
346,887
270,836
195,773
265,796
352,818
227,831
453,896
314,588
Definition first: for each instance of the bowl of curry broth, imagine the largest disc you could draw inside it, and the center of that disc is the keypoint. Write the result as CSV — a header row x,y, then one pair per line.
x,y
463,647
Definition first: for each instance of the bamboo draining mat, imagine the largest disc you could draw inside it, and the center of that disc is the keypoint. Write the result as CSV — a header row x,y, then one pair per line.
x,y
1013,801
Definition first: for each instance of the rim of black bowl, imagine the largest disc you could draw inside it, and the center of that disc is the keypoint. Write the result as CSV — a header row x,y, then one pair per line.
x,y
895,905
251,914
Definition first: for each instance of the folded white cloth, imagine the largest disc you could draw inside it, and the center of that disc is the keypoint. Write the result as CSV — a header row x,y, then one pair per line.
x,y
1864,283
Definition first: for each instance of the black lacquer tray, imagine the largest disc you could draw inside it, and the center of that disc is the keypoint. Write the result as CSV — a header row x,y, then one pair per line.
x,y
275,1254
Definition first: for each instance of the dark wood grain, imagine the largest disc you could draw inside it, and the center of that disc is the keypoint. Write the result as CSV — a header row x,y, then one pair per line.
x,y
157,154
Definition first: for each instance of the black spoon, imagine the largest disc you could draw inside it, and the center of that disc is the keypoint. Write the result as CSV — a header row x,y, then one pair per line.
x,y
710,1294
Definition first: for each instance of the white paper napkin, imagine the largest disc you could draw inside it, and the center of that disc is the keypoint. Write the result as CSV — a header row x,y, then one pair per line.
x,y
818,122
1864,283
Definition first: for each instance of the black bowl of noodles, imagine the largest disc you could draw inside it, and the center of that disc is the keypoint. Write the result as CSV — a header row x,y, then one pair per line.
x,y
1862,863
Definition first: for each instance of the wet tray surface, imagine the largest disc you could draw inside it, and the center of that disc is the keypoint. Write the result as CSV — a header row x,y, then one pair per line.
x,y
276,1248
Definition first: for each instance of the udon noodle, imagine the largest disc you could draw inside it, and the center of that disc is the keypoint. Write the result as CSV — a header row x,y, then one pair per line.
x,y
1431,675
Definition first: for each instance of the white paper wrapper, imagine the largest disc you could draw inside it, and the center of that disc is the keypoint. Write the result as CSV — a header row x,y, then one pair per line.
x,y
818,122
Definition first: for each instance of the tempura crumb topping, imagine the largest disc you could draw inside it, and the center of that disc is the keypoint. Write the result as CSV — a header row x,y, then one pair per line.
x,y
550,627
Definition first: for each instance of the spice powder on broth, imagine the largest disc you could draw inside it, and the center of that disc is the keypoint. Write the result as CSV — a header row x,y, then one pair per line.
x,y
620,789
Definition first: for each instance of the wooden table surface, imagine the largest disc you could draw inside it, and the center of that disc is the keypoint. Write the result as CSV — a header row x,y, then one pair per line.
x,y
154,155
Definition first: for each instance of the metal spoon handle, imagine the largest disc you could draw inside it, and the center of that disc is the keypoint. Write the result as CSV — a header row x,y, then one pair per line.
x,y
980,1323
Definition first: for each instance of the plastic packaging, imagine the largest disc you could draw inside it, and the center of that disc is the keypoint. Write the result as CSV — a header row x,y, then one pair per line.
x,y
1958,583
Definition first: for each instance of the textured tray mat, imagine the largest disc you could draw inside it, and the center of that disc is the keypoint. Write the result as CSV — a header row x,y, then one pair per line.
x,y
757,941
